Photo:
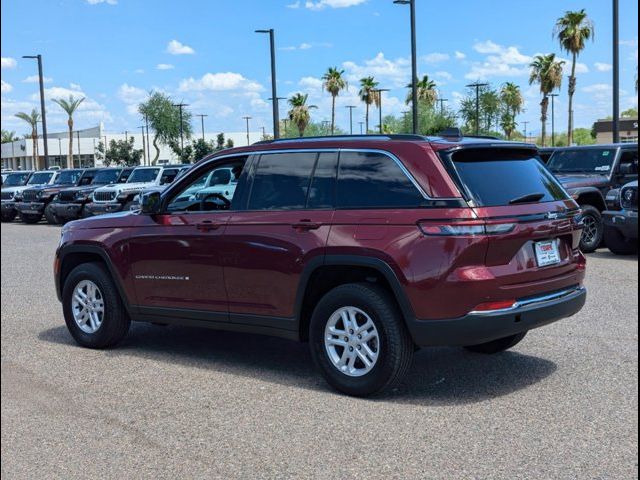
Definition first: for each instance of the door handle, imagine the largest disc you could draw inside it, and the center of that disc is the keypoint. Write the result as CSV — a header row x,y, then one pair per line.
x,y
207,226
306,225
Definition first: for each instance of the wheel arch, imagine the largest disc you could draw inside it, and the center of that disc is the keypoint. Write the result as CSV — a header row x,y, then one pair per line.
x,y
590,196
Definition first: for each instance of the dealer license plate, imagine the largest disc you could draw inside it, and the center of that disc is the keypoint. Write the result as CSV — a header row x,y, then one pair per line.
x,y
547,253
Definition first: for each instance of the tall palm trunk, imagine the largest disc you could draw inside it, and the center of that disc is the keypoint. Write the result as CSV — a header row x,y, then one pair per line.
x,y
572,90
70,155
366,119
34,141
544,107
333,113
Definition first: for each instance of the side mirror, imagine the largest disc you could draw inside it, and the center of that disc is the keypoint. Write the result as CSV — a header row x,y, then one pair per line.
x,y
150,203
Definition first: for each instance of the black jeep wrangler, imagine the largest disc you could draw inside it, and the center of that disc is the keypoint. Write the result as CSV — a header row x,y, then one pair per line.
x,y
589,173
621,220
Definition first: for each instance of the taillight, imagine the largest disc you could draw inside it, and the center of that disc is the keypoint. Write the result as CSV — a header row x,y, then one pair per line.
x,y
497,305
465,228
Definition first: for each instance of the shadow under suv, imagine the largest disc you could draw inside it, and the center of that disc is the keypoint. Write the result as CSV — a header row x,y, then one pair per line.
x,y
366,247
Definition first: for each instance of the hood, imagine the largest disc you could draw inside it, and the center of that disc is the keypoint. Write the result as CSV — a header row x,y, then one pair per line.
x,y
109,220
125,187
576,180
84,188
16,189
48,188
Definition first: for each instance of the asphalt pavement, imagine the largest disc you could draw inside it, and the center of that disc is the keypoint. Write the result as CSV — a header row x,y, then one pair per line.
x,y
175,402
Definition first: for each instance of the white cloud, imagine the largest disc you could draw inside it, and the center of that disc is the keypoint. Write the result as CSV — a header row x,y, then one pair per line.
x,y
443,75
500,62
139,71
6,87
603,67
487,47
435,57
311,84
220,82
294,5
390,73
460,55
96,2
307,46
598,88
322,4
174,47
132,96
89,110
36,79
8,62
566,68
75,86
164,66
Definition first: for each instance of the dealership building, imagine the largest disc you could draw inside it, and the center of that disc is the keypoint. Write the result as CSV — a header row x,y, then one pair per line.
x,y
19,155
628,130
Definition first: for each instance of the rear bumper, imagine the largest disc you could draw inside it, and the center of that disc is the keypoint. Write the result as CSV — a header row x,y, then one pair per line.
x,y
67,210
102,208
31,208
626,221
481,327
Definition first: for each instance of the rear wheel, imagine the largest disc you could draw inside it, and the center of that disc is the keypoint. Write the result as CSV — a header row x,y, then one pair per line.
x,y
618,243
359,341
9,216
497,346
31,218
51,216
593,229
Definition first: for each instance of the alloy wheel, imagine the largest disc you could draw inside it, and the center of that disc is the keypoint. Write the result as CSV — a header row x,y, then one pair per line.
x,y
87,305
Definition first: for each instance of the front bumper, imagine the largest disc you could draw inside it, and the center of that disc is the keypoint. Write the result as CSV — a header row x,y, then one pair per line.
x,y
8,207
626,221
67,210
95,208
31,208
482,327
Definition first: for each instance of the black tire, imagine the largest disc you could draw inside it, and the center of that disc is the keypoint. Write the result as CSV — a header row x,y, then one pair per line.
x,y
618,243
9,217
591,237
31,218
497,346
116,321
395,350
50,215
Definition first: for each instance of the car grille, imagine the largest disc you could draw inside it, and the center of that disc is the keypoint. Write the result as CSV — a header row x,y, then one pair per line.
x,y
104,196
629,198
67,196
29,196
7,196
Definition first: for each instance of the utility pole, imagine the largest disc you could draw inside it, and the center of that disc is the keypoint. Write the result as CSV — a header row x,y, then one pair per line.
x,y
144,146
525,123
361,125
441,101
379,91
616,73
553,119
247,120
43,111
202,123
477,86
180,107
350,107
414,61
274,93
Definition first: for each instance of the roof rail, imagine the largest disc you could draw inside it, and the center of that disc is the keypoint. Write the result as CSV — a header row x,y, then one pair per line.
x,y
328,138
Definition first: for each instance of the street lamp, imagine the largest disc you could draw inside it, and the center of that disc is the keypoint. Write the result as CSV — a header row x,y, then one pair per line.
x,y
477,86
379,91
180,106
616,73
42,109
274,93
414,61
350,107
553,119
247,120
201,115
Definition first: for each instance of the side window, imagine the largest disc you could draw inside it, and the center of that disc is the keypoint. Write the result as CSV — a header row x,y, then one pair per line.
x,y
168,176
323,184
629,161
86,179
200,195
374,180
281,181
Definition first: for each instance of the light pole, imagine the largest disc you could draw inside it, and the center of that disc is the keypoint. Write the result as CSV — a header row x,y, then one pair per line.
x,y
247,120
414,62
525,123
350,107
146,125
277,107
380,90
274,93
180,106
42,109
616,74
442,100
361,125
202,123
79,153
553,119
477,86
144,146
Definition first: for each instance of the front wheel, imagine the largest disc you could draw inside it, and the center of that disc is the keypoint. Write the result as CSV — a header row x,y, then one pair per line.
x,y
9,216
359,341
618,243
592,229
31,218
51,216
497,346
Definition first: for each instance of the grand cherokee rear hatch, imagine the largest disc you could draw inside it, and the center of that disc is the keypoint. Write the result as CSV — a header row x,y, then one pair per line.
x,y
530,222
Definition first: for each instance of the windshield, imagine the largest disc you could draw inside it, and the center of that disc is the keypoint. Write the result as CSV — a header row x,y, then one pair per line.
x,y
582,160
16,179
105,177
124,176
68,177
493,177
144,175
40,178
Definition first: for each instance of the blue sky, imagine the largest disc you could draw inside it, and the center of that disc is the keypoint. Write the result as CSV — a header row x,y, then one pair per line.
x,y
205,53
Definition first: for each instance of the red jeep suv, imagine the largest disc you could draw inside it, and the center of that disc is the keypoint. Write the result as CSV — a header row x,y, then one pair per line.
x,y
366,247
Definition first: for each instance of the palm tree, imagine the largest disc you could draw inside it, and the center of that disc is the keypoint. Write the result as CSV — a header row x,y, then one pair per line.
x,y
427,92
573,30
333,82
69,105
32,119
368,95
511,97
8,137
546,71
299,113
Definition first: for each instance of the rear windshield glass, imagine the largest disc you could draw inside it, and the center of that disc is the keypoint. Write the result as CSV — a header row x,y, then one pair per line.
x,y
16,179
40,178
68,177
587,160
144,175
104,177
505,177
